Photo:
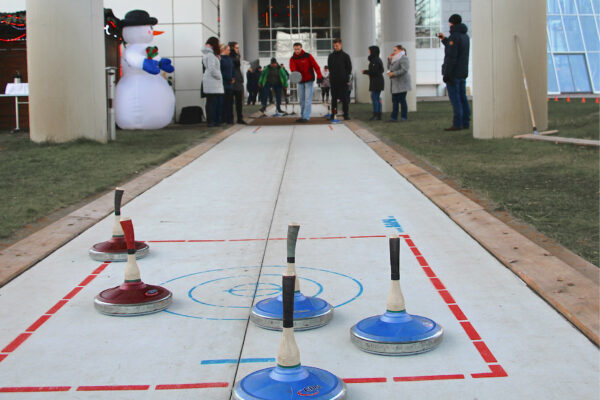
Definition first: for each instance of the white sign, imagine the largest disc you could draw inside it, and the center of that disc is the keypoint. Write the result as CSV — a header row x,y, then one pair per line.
x,y
17,89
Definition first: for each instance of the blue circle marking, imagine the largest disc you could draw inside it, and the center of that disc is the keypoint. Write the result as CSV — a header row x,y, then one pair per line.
x,y
249,290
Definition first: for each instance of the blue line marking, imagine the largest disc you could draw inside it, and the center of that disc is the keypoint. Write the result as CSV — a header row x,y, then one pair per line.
x,y
235,361
392,222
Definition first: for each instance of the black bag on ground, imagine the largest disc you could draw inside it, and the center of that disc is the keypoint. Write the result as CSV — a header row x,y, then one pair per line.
x,y
191,115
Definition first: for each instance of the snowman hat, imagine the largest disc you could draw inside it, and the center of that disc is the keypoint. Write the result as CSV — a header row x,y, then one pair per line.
x,y
138,18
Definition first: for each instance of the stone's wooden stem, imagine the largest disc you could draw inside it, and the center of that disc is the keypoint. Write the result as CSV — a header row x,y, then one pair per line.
x,y
117,229
395,301
288,354
132,271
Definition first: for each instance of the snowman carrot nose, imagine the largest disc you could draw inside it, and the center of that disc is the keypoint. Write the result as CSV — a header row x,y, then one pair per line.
x,y
156,33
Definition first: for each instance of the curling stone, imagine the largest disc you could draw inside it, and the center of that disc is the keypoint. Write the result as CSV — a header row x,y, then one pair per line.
x,y
115,249
309,312
133,297
396,332
289,379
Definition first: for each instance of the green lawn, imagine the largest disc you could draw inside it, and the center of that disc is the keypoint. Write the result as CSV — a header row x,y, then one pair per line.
x,y
552,187
39,179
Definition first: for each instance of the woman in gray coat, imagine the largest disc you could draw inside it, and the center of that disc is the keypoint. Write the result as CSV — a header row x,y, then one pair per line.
x,y
398,66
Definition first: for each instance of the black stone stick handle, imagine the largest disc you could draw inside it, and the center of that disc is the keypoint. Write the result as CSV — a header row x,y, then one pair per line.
x,y
288,283
118,197
395,257
292,238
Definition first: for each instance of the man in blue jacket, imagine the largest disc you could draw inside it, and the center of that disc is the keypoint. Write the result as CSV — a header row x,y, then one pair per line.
x,y
455,71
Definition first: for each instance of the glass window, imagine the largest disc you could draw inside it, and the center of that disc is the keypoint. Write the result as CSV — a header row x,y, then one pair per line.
x,y
335,15
563,70
264,18
427,21
552,84
304,12
573,33
264,34
557,37
580,73
553,7
568,6
590,34
594,61
280,14
585,7
320,13
596,4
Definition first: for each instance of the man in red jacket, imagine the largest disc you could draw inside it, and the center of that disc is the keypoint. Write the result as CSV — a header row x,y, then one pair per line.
x,y
307,66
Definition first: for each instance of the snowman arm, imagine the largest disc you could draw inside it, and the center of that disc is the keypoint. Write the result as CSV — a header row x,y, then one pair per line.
x,y
135,60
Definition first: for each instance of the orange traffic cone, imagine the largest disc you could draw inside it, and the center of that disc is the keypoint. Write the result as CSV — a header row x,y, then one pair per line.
x,y
568,99
597,100
556,98
583,99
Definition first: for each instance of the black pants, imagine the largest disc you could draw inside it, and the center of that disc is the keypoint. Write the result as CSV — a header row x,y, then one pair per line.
x,y
252,97
213,108
324,94
238,99
339,92
228,107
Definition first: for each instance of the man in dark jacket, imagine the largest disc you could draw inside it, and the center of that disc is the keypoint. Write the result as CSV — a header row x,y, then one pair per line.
x,y
340,73
455,71
252,76
238,81
376,82
228,77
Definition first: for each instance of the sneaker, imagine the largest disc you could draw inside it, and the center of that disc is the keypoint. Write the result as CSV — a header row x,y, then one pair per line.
x,y
347,118
299,120
280,111
262,109
452,128
242,122
302,120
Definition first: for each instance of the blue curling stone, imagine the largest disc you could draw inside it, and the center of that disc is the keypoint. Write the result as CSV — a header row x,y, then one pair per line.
x,y
309,312
396,333
280,383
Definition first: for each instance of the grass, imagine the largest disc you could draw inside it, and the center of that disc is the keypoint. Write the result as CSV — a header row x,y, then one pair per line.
x,y
39,179
552,187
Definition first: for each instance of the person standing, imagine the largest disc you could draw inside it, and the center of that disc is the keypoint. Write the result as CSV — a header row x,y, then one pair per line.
x,y
272,77
340,75
325,85
376,83
455,71
398,71
252,76
227,73
212,80
305,63
238,81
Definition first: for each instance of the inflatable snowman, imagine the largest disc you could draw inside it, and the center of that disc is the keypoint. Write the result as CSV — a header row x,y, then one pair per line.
x,y
143,98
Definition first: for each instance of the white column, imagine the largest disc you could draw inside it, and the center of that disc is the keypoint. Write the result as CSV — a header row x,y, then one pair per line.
x,y
250,49
500,106
398,27
231,14
65,63
364,36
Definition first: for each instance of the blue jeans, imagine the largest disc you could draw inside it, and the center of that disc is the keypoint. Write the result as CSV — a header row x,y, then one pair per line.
x,y
399,101
305,95
265,94
375,99
457,92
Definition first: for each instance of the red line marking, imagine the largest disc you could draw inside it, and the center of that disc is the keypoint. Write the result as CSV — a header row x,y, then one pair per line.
x,y
330,127
485,352
57,306
244,240
497,372
416,251
29,389
168,241
409,242
256,130
277,238
457,312
437,283
38,323
87,280
72,293
205,240
471,332
447,296
112,387
329,237
193,385
100,268
12,346
3,356
370,236
427,378
429,272
364,380
422,261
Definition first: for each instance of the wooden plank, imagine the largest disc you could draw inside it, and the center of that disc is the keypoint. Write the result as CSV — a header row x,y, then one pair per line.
x,y
558,139
539,133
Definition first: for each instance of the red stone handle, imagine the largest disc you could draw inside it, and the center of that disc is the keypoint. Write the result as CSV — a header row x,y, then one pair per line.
x,y
127,226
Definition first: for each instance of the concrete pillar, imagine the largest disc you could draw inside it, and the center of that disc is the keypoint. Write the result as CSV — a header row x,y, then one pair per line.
x,y
398,27
231,16
65,63
250,49
499,101
364,36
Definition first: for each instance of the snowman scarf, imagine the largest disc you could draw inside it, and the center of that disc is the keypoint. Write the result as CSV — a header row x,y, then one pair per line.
x,y
151,52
